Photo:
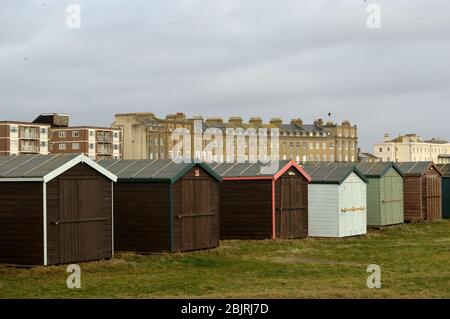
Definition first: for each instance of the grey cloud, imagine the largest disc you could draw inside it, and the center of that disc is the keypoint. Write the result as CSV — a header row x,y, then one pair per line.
x,y
260,57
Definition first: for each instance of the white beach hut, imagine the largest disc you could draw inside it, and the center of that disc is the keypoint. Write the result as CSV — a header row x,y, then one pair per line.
x,y
337,201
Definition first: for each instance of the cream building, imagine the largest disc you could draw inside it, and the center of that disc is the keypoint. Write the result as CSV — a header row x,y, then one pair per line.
x,y
411,148
147,137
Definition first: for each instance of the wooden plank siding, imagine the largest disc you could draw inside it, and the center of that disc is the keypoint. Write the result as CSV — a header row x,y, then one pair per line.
x,y
21,223
412,188
153,216
246,209
141,217
93,196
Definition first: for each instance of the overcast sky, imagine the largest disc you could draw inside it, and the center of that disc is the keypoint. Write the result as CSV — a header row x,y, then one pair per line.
x,y
265,58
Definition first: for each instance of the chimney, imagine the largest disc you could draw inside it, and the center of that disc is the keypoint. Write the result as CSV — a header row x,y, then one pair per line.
x,y
387,138
297,122
256,121
214,120
318,123
236,120
276,121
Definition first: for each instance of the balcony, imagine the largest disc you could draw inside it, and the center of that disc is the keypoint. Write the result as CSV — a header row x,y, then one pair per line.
x,y
104,150
104,137
29,147
29,133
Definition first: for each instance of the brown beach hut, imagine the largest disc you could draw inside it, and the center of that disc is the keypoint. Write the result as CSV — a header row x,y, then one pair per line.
x,y
422,185
163,206
54,209
263,202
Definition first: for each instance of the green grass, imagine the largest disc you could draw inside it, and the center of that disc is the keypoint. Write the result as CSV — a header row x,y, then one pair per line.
x,y
415,261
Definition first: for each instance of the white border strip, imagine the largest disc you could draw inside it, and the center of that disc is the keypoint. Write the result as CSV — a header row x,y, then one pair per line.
x,y
45,222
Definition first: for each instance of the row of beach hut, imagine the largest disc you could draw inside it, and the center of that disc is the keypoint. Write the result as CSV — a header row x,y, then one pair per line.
x,y
65,208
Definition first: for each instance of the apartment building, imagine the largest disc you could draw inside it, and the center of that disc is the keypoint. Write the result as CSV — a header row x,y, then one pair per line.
x,y
23,138
95,142
411,148
146,136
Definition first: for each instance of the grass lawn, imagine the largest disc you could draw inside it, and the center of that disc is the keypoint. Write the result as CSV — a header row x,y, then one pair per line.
x,y
415,262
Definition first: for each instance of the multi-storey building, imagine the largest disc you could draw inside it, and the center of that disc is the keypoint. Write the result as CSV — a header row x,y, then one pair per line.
x,y
147,137
23,138
411,148
95,142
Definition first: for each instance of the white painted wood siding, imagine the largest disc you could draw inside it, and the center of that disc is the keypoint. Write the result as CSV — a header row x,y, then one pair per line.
x,y
323,210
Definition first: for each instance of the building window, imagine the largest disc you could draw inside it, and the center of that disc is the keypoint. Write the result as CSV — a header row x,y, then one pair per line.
x,y
284,145
91,146
388,149
116,146
13,129
381,150
75,146
325,158
43,144
91,133
75,133
291,144
62,134
50,146
331,146
43,130
62,146
324,146
331,158
317,146
116,157
116,134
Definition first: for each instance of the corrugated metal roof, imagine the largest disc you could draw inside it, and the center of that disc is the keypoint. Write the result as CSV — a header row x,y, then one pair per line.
x,y
43,167
246,169
414,168
151,170
377,169
32,166
331,173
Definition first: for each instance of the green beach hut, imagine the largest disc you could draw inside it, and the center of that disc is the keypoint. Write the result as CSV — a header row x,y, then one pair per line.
x,y
384,193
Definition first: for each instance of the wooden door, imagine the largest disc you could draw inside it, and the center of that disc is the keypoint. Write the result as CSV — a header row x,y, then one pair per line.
x,y
388,201
432,197
197,215
293,220
79,221
68,215
90,223
187,216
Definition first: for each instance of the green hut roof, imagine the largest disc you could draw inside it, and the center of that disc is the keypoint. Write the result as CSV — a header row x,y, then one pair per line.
x,y
331,173
152,170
